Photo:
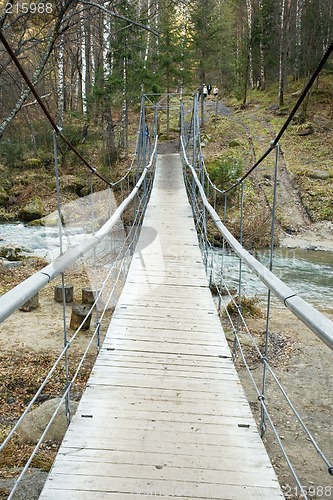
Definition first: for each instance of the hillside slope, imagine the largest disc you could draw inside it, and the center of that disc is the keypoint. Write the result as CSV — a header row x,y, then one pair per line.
x,y
305,175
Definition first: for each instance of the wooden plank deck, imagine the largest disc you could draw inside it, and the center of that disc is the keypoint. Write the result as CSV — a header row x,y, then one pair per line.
x,y
164,413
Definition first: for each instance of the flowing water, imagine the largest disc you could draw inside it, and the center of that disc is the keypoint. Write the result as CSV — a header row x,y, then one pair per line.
x,y
308,273
39,241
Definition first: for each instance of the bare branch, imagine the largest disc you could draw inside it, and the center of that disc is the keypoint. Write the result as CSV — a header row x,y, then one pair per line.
x,y
114,14
35,101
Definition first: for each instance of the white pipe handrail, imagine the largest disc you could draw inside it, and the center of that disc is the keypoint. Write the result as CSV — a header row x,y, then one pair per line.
x,y
19,295
309,315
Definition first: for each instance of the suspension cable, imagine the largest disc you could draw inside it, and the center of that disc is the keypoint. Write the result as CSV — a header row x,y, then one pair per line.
x,y
45,110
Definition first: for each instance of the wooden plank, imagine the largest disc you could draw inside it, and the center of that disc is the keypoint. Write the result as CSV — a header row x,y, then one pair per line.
x,y
92,425
248,462
161,471
177,395
150,445
164,413
237,408
105,370
154,359
235,493
161,488
130,418
165,347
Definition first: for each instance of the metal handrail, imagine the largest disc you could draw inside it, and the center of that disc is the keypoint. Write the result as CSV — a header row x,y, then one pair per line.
x,y
310,316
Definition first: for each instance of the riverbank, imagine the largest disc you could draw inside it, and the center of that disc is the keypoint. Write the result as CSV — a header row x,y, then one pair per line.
x,y
319,236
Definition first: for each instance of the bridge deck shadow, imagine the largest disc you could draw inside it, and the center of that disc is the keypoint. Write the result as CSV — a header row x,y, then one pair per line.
x,y
164,413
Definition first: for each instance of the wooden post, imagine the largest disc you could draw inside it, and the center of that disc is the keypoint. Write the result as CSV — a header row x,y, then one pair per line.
x,y
31,304
69,293
89,295
79,312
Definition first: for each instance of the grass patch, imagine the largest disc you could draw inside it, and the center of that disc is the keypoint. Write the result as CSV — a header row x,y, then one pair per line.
x,y
249,307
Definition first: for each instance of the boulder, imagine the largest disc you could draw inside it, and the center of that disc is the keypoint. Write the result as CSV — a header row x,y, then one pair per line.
x,y
13,253
305,129
7,264
29,488
36,421
273,107
32,210
31,304
72,184
320,174
323,121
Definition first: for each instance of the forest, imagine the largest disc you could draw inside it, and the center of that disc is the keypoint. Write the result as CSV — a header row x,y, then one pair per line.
x,y
90,60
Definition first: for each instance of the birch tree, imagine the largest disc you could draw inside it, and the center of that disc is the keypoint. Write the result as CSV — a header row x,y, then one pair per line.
x,y
106,42
298,36
249,68
83,47
61,82
48,42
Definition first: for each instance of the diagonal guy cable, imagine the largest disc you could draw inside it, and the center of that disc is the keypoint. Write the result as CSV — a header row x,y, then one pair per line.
x,y
45,110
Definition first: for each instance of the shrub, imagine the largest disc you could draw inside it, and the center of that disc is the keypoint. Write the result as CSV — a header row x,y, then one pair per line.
x,y
11,151
225,170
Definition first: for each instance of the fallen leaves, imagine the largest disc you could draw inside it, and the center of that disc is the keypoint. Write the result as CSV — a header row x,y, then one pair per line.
x,y
21,374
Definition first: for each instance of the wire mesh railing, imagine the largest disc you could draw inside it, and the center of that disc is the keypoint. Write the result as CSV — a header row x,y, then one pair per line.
x,y
221,252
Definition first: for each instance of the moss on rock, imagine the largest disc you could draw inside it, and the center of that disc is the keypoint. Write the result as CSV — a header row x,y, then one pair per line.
x,y
32,210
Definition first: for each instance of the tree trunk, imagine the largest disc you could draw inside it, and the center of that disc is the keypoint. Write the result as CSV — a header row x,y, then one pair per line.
x,y
84,61
202,106
261,52
106,43
148,37
61,83
183,39
124,114
92,61
111,153
246,78
298,36
250,56
284,24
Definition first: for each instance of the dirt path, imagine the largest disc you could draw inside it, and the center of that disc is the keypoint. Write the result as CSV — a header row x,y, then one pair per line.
x,y
291,216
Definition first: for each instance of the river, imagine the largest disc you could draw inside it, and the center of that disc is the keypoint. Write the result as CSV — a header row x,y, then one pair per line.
x,y
309,273
39,241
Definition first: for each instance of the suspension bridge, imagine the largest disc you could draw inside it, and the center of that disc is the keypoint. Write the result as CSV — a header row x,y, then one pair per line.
x,y
164,413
